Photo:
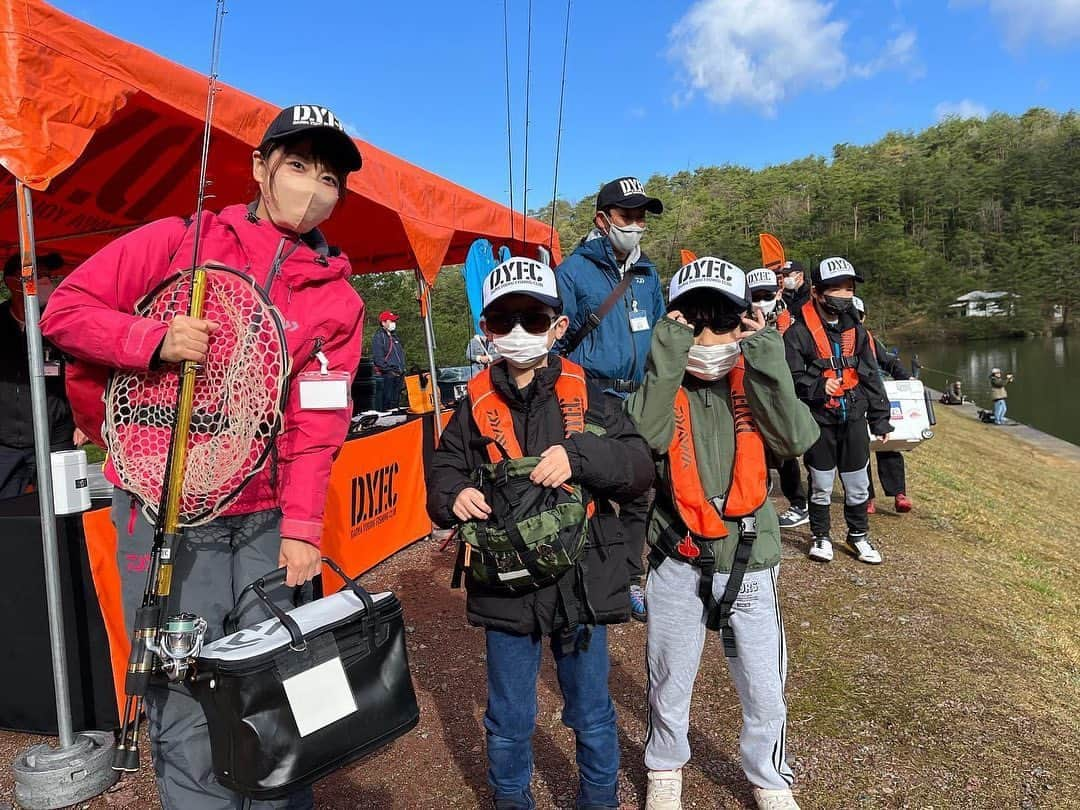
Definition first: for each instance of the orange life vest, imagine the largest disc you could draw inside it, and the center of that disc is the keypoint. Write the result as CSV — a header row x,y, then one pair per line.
x,y
492,414
749,476
783,321
846,373
493,418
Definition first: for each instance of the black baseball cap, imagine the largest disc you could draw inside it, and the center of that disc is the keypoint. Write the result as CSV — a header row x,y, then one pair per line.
x,y
834,270
309,118
47,261
791,266
627,192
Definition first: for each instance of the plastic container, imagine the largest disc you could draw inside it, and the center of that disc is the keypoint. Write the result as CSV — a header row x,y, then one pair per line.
x,y
454,383
909,415
71,487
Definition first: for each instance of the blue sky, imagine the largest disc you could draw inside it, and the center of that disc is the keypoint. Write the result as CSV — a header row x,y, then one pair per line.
x,y
652,86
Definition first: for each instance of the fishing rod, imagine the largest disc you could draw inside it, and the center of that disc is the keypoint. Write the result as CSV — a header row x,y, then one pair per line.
x,y
156,645
559,127
509,135
525,170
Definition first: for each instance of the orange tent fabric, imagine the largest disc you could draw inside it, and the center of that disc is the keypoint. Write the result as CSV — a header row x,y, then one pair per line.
x,y
109,135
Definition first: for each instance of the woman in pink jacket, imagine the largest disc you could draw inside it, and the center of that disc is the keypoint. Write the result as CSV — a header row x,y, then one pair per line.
x,y
300,169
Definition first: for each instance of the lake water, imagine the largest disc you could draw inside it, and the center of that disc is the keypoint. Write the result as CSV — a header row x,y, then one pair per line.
x,y
1046,393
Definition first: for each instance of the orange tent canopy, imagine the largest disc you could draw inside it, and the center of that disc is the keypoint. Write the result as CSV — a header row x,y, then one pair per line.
x,y
109,135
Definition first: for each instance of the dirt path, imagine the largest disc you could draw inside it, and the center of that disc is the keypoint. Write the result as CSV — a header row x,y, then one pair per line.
x,y
949,677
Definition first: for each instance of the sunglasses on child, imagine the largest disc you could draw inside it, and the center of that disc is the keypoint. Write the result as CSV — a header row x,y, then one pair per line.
x,y
535,323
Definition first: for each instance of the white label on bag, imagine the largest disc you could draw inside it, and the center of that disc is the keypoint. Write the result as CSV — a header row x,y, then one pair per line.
x,y
324,392
319,696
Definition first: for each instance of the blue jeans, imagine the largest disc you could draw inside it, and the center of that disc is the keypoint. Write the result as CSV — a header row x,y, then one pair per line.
x,y
1000,406
513,666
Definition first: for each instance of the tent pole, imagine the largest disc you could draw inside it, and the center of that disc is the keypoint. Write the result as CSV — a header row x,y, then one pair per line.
x,y
44,466
429,339
80,768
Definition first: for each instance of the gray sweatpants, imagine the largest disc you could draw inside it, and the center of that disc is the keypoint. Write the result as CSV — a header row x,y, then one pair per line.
x,y
212,565
676,634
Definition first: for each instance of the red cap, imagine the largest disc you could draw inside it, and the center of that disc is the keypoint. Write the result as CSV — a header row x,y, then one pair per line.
x,y
387,315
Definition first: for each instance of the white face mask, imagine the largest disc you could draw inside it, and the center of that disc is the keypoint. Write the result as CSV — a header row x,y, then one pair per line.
x,y
522,349
390,326
710,363
767,307
791,283
298,203
624,238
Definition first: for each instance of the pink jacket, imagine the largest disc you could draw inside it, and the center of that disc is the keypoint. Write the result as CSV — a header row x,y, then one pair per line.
x,y
90,317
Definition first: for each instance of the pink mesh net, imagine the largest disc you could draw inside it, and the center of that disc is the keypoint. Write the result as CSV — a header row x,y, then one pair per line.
x,y
239,394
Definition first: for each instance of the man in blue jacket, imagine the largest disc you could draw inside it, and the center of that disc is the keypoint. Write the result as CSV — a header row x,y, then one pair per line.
x,y
388,355
612,296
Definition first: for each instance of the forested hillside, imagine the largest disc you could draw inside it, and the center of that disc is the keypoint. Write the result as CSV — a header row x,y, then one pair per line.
x,y
964,205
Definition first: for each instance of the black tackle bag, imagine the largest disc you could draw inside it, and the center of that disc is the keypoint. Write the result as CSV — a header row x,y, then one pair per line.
x,y
300,695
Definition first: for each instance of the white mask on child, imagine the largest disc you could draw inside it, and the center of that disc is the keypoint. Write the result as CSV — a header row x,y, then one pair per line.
x,y
521,349
710,363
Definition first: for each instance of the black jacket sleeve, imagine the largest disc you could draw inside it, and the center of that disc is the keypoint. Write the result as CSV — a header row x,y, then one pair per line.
x,y
452,468
801,353
379,349
888,363
617,465
877,404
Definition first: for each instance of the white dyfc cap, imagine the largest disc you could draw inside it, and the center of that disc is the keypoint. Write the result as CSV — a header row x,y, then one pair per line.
x,y
522,276
708,273
762,279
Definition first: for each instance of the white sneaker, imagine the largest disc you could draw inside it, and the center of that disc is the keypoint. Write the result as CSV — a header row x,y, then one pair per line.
x,y
821,549
794,517
774,799
866,552
665,790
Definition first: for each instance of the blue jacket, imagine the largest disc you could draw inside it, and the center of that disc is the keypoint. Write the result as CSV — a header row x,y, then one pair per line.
x,y
387,353
586,278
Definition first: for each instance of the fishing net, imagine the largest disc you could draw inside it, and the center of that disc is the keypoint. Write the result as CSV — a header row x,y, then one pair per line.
x,y
239,396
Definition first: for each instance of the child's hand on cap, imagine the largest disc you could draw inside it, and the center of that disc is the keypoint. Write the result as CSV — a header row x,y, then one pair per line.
x,y
752,324
677,316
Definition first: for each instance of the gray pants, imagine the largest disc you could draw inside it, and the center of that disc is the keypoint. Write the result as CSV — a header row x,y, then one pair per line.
x,y
676,634
212,565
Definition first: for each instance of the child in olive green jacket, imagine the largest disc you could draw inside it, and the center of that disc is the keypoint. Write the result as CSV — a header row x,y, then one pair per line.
x,y
717,396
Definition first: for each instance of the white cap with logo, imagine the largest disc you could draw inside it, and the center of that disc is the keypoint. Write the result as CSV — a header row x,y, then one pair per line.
x,y
709,273
762,279
521,276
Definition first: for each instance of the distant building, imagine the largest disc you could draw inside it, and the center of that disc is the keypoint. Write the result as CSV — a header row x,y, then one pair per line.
x,y
980,304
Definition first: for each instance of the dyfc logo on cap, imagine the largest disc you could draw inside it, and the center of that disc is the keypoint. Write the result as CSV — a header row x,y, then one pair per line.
x,y
520,271
315,116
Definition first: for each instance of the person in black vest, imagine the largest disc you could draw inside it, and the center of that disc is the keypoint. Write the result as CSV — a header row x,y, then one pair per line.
x,y
611,462
18,464
388,355
890,463
836,374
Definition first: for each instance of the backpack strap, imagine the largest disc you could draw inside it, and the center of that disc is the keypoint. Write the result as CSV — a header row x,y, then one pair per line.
x,y
593,319
719,617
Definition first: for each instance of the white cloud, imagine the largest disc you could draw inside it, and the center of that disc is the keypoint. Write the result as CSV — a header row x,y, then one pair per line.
x,y
960,109
1053,21
762,52
900,51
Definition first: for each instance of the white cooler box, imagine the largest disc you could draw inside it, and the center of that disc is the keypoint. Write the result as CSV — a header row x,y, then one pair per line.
x,y
908,414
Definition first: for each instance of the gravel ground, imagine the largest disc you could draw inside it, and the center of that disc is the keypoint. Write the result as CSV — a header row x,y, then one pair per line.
x,y
949,677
